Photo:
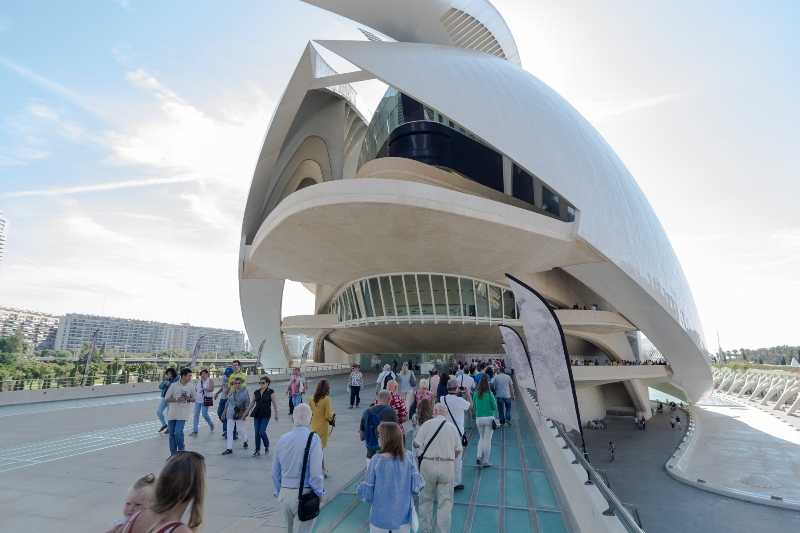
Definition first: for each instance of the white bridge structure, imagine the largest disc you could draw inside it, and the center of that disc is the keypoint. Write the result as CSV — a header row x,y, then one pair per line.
x,y
779,389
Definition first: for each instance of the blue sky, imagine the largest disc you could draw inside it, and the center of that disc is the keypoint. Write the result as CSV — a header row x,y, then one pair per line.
x,y
129,130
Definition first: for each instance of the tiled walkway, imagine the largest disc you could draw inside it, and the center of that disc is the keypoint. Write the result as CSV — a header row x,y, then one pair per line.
x,y
514,495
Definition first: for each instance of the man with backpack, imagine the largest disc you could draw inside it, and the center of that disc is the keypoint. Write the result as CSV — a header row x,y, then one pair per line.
x,y
371,419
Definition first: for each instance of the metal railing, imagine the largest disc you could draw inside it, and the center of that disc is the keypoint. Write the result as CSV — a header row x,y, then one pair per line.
x,y
95,380
629,521
150,358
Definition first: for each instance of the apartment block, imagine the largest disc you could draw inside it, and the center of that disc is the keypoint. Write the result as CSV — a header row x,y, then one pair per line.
x,y
38,329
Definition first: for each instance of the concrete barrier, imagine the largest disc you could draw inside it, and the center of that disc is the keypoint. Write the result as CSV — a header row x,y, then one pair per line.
x,y
118,389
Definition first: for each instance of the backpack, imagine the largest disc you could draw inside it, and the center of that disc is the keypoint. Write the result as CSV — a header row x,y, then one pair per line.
x,y
374,419
389,377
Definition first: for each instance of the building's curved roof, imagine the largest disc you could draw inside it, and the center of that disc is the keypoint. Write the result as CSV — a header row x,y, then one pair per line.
x,y
522,117
472,24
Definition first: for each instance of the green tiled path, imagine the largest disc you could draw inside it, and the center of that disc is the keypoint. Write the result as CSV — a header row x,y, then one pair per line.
x,y
514,495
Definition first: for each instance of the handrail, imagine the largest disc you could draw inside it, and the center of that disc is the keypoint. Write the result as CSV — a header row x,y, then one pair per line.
x,y
615,506
95,380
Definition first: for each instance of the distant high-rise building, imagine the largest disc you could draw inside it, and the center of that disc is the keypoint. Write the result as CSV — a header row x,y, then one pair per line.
x,y
143,336
3,231
38,329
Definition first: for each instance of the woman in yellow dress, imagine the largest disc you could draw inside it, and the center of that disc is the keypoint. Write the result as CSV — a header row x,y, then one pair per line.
x,y
322,412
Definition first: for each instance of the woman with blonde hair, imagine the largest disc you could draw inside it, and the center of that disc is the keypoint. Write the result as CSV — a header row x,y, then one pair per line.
x,y
391,482
180,485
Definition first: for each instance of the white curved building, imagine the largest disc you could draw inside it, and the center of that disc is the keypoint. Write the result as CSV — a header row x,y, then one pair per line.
x,y
405,224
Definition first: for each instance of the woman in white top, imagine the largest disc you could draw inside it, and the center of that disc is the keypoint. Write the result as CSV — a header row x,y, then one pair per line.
x,y
203,399
383,378
407,382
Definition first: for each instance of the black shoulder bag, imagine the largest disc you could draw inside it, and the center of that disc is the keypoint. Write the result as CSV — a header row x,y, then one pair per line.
x,y
308,504
464,441
422,455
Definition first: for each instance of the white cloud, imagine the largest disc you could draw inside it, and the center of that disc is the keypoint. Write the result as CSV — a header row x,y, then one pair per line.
x,y
98,187
600,110
204,206
86,227
787,238
49,85
19,155
181,137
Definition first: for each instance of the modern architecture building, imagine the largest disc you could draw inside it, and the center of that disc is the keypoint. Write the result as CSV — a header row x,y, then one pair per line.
x,y
3,236
404,224
142,336
37,329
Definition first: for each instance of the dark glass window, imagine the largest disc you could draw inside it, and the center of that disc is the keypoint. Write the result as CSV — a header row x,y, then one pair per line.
x,y
550,201
468,297
523,186
425,294
509,307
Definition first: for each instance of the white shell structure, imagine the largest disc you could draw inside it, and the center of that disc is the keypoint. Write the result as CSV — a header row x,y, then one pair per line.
x,y
391,215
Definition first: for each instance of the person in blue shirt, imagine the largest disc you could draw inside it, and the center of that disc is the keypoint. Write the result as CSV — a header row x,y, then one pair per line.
x,y
391,482
287,465
479,375
170,377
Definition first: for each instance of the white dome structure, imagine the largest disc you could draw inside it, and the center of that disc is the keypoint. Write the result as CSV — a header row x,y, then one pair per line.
x,y
404,225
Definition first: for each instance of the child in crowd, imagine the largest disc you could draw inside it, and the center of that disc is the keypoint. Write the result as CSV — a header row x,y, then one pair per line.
x,y
140,497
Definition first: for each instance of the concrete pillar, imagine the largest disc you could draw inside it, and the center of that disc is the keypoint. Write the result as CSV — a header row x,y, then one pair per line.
x,y
792,388
640,396
794,406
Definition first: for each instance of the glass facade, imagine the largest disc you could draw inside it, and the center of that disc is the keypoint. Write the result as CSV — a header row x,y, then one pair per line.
x,y
404,127
423,297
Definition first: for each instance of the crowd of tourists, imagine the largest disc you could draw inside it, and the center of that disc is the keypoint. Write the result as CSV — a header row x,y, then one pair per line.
x,y
414,432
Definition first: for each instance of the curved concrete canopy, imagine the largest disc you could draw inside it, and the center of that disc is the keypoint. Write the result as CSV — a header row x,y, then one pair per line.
x,y
430,21
439,230
523,118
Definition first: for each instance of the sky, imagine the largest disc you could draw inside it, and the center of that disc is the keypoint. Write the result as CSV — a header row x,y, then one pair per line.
x,y
129,130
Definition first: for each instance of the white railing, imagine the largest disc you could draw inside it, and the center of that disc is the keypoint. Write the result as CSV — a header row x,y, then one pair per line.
x,y
95,380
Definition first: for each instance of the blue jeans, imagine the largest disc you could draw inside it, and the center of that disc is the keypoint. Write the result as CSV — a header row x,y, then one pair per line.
x,y
176,436
160,411
200,408
504,409
221,414
260,429
294,401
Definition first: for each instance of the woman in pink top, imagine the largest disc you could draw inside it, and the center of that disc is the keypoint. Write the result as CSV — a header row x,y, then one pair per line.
x,y
181,483
295,389
397,403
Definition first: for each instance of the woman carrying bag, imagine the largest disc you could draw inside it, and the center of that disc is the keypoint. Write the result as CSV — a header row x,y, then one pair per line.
x,y
485,414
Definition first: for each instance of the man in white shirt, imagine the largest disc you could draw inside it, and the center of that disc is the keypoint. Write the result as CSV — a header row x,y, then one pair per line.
x,y
440,441
456,406
180,398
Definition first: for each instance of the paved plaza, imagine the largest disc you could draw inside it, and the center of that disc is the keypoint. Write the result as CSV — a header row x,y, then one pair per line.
x,y
765,449
66,467
666,505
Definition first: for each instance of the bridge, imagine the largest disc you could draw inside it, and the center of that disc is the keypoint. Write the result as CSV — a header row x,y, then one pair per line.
x,y
80,453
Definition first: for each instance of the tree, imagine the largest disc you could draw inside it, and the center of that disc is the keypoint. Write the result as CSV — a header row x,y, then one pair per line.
x,y
14,344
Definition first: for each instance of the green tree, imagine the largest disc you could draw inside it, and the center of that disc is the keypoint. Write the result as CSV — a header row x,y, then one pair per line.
x,y
14,344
